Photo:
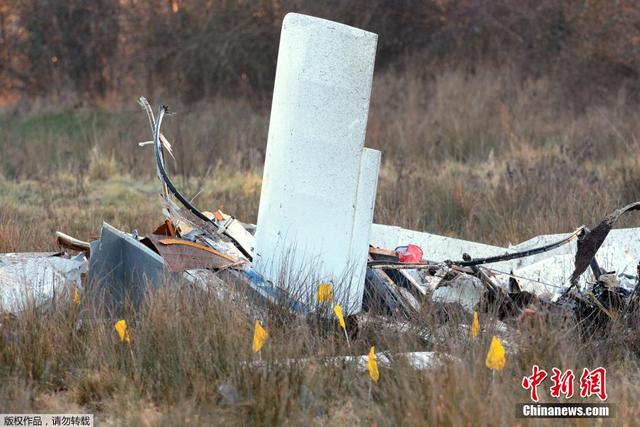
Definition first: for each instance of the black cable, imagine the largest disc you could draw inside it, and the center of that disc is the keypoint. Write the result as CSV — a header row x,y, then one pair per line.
x,y
172,188
516,255
487,260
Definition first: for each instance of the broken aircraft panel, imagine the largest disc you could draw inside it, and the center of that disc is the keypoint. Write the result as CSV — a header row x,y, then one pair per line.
x,y
37,278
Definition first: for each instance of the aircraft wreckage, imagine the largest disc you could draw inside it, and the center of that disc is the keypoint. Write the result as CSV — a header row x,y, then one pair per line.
x,y
315,222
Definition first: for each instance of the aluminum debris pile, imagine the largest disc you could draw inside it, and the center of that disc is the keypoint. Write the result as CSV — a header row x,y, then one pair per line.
x,y
316,210
38,278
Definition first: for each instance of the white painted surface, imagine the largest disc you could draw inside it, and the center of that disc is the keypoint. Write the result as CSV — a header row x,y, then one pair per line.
x,y
620,251
318,187
543,274
363,218
436,248
548,273
36,280
465,290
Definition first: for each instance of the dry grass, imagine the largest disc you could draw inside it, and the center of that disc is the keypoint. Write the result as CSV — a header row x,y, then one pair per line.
x,y
186,344
487,157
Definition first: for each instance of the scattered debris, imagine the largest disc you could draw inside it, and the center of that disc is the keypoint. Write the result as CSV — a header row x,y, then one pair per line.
x,y
181,255
229,395
37,278
409,254
316,210
418,360
67,242
123,267
465,289
194,247
591,241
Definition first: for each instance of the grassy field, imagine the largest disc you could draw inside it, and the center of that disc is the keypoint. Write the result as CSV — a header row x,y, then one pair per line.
x,y
487,157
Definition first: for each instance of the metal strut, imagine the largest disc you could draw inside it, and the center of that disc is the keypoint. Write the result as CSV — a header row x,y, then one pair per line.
x,y
173,189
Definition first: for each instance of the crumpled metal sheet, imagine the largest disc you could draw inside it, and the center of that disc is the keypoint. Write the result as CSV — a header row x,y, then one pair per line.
x,y
32,278
548,279
124,267
20,257
546,274
182,257
266,290
588,245
418,360
465,290
381,294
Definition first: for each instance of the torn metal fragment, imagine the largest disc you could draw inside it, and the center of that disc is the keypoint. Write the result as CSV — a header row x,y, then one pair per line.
x,y
31,279
591,241
124,267
221,228
381,295
465,290
418,360
166,229
181,255
68,242
264,289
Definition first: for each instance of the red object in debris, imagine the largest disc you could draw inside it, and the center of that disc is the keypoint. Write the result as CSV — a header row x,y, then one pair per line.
x,y
409,254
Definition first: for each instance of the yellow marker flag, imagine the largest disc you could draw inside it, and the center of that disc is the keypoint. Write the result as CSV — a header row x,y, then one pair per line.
x,y
475,325
121,329
259,337
338,312
372,364
325,293
76,296
496,356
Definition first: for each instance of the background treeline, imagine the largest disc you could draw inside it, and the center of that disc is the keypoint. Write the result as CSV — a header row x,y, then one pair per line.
x,y
99,49
497,120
